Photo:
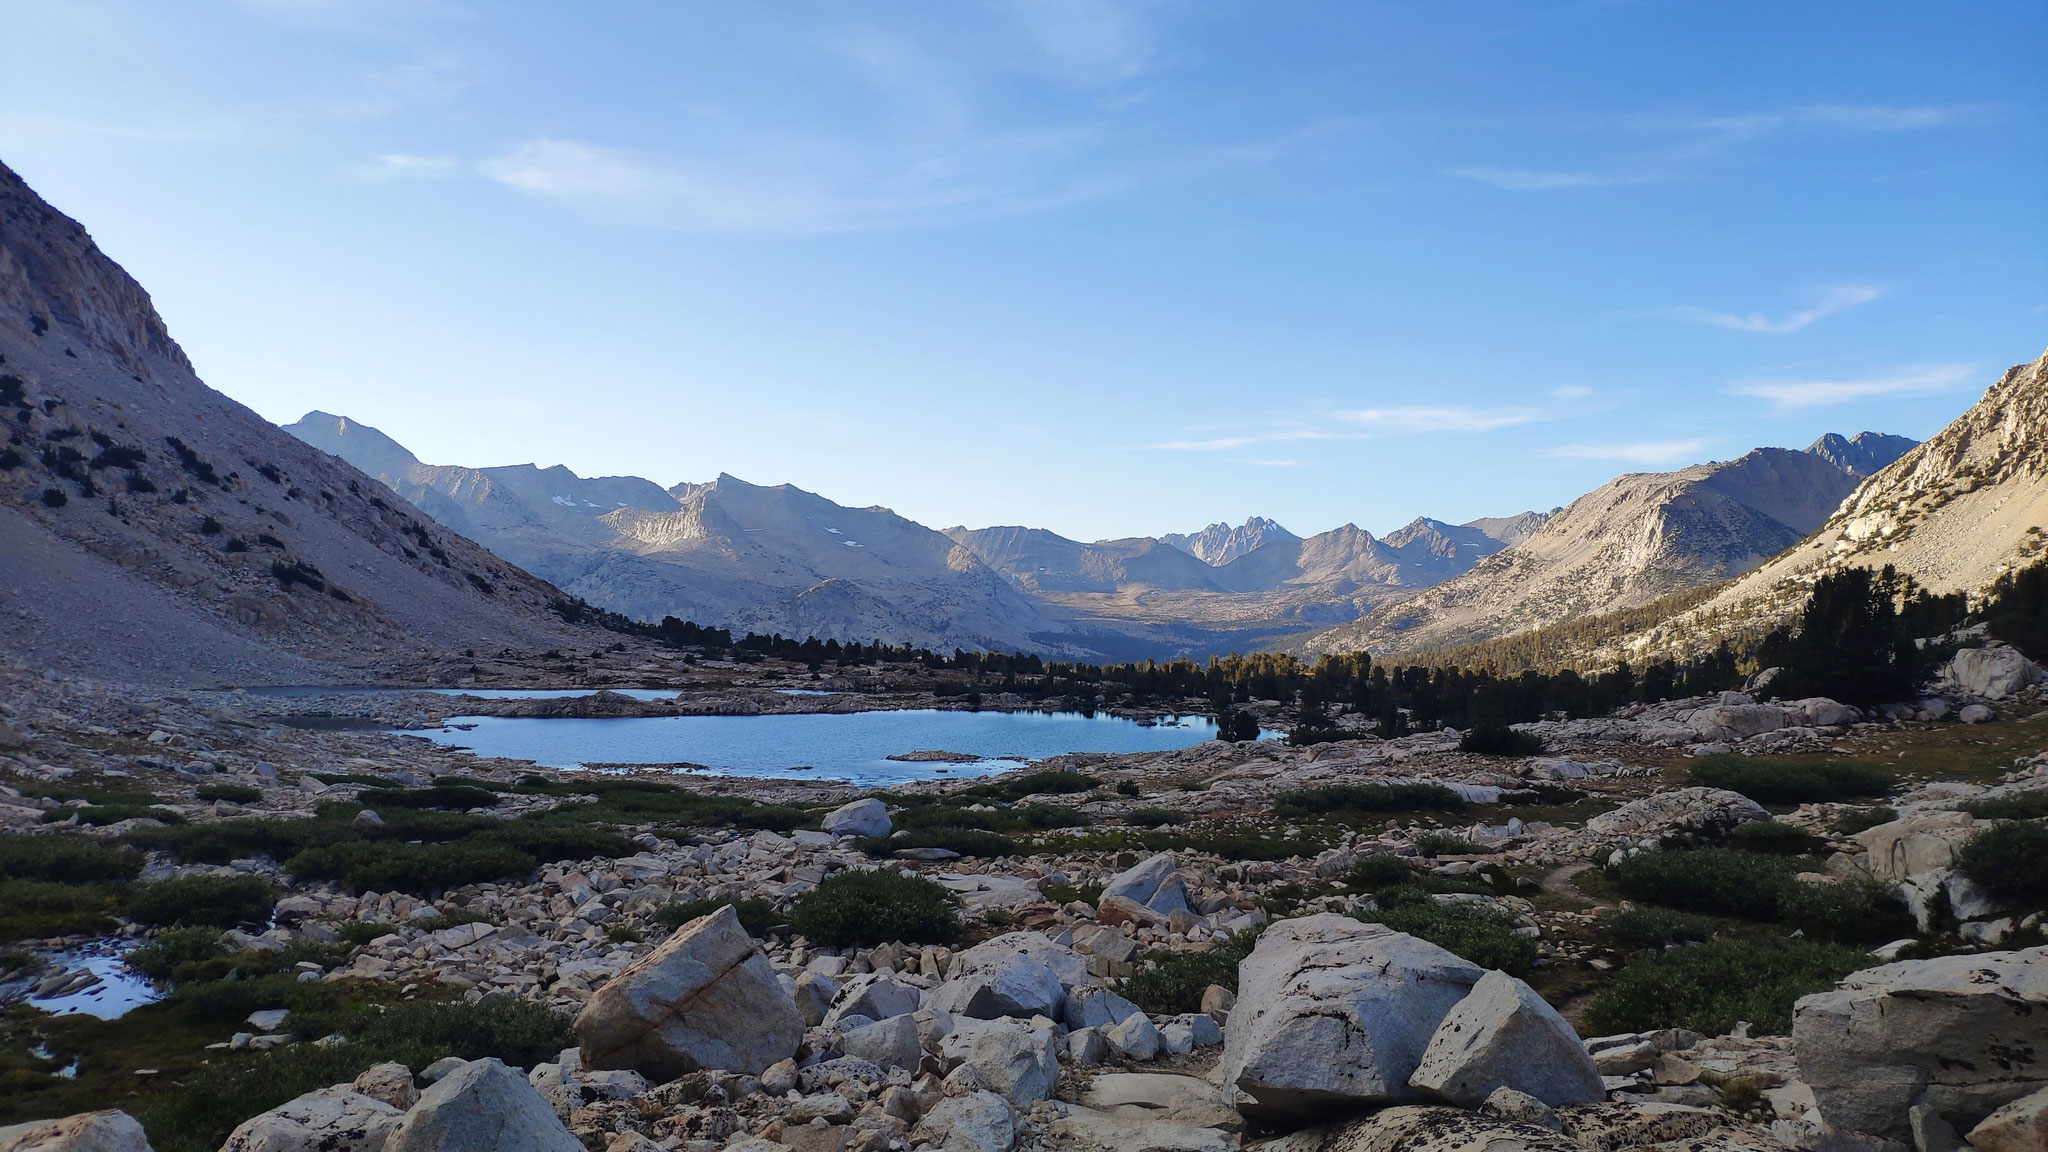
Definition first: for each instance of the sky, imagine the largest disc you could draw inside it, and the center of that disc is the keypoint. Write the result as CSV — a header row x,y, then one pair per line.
x,y
1108,267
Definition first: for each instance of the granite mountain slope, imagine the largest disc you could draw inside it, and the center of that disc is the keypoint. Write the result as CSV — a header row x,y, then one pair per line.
x,y
1637,538
151,528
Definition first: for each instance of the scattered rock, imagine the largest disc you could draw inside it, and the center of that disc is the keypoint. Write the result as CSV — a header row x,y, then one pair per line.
x,y
706,998
977,1122
109,1131
481,1107
1503,1035
337,1119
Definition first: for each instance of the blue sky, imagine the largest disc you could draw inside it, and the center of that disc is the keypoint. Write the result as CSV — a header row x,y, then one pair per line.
x,y
1108,268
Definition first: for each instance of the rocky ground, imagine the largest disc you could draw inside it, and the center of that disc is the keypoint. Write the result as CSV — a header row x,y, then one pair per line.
x,y
704,1019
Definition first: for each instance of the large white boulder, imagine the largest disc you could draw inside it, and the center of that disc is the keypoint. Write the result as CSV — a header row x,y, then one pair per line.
x,y
1070,966
1701,811
1503,1035
1332,1013
1729,723
1007,984
337,1119
1916,845
1154,883
1012,1058
977,1122
1993,673
109,1131
2021,1126
861,818
706,998
1963,1034
482,1106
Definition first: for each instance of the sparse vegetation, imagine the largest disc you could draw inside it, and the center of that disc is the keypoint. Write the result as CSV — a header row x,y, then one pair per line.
x,y
1779,781
1483,936
1367,798
757,916
1173,982
1710,986
219,901
868,907
2009,860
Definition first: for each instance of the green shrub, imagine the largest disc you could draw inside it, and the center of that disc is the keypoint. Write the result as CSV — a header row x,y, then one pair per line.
x,y
2009,860
1790,781
101,815
1053,782
173,948
1434,844
72,859
1483,936
756,915
1847,911
1171,983
456,797
1863,819
651,802
623,934
1044,816
1638,929
1232,844
1499,740
33,909
1708,987
1149,817
2019,806
1126,788
1715,881
1367,798
1373,872
387,866
219,901
232,793
868,907
1774,839
357,933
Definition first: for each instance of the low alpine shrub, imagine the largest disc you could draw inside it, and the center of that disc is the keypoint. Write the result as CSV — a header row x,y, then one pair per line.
x,y
1709,986
868,907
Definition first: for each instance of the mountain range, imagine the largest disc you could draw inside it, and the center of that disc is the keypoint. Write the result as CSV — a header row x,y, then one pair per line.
x,y
779,559
151,529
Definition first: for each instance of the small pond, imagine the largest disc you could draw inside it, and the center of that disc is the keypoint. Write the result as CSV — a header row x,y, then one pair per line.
x,y
119,989
854,747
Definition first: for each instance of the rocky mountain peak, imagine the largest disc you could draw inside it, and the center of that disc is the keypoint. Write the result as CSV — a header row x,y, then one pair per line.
x,y
1864,454
1219,543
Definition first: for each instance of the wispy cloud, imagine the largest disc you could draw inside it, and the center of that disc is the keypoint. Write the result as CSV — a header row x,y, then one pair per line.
x,y
1434,419
1912,380
1638,452
1834,300
1227,443
404,166
1682,145
1570,392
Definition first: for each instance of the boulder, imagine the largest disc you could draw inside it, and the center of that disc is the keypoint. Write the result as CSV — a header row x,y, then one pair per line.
x,y
1503,1035
1700,811
1993,673
861,818
977,1122
891,1043
1975,714
1332,1013
874,996
391,1083
1965,1035
337,1119
1729,723
1008,985
1010,1057
1154,883
1134,1039
1070,966
1508,1104
813,993
482,1106
1821,712
706,998
2021,1126
109,1131
1916,845
1097,1008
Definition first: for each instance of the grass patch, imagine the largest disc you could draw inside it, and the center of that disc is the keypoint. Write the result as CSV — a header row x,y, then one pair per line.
x,y
1847,911
217,901
873,906
1434,844
1151,817
2019,806
446,797
36,909
1374,872
1774,839
1862,820
1708,987
73,859
1714,881
1367,798
1787,781
1643,929
1171,983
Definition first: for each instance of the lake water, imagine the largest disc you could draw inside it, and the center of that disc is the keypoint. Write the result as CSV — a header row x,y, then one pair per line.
x,y
853,746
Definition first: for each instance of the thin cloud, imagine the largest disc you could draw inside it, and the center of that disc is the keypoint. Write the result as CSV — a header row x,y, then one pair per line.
x,y
403,166
1638,452
1833,301
1570,392
1226,443
1913,380
1426,419
1690,143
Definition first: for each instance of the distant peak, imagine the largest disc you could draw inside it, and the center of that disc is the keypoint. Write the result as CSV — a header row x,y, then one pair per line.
x,y
1864,454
